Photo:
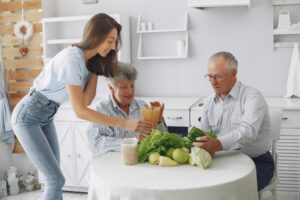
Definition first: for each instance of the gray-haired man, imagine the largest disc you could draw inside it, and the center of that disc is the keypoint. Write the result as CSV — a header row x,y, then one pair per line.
x,y
239,115
120,103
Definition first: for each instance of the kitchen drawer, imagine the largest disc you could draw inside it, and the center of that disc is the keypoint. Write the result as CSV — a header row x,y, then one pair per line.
x,y
178,118
290,119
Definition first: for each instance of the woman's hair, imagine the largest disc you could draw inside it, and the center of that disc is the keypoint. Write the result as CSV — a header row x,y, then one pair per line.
x,y
230,60
123,71
95,32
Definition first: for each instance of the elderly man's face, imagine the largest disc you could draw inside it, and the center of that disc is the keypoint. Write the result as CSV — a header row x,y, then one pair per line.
x,y
221,78
123,91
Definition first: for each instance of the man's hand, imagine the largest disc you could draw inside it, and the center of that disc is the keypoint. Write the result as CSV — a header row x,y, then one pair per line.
x,y
208,143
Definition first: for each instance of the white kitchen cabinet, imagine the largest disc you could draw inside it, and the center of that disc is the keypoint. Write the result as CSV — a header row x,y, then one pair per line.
x,y
74,151
286,37
75,156
217,3
58,33
177,109
288,148
83,154
66,141
176,49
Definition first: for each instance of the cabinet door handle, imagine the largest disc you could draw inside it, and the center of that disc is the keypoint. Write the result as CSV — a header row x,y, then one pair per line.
x,y
78,156
174,118
284,118
199,119
69,156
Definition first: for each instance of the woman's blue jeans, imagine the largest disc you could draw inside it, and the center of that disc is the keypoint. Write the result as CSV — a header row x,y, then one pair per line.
x,y
32,121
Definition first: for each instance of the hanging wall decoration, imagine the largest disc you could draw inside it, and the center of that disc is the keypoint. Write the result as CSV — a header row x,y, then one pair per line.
x,y
23,31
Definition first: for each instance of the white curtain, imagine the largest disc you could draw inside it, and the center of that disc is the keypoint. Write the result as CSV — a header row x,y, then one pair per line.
x,y
6,133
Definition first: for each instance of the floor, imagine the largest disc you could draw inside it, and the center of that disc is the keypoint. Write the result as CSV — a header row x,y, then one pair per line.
x,y
37,195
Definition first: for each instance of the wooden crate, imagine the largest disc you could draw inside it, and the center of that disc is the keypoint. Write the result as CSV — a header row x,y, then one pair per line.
x,y
20,71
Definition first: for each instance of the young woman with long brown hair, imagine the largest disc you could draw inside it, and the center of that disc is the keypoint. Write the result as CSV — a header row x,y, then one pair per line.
x,y
70,75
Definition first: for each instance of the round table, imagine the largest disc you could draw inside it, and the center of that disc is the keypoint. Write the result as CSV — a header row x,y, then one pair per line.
x,y
232,175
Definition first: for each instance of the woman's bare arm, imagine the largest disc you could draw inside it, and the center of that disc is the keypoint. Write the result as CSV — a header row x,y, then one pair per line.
x,y
76,97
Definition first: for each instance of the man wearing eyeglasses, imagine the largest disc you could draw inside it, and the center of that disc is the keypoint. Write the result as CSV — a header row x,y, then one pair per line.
x,y
238,114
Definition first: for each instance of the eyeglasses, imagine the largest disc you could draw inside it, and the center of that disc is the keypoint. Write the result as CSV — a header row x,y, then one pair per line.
x,y
215,77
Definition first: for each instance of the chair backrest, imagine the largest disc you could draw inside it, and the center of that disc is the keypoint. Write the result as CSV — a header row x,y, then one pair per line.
x,y
275,121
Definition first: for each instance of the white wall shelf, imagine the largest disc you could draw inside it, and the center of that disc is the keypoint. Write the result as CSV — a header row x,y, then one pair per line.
x,y
70,18
63,41
185,37
284,32
54,27
285,2
288,36
218,3
285,44
162,31
160,57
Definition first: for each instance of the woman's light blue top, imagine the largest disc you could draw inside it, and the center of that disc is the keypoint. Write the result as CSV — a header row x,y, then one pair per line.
x,y
68,67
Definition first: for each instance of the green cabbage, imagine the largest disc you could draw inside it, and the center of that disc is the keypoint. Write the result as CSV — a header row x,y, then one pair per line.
x,y
201,157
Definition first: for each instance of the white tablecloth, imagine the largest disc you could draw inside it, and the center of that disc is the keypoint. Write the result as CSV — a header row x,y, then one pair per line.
x,y
232,176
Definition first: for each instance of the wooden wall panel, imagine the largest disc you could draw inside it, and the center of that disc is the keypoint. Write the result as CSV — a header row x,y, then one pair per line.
x,y
22,74
33,16
16,6
13,52
9,29
20,71
10,40
22,64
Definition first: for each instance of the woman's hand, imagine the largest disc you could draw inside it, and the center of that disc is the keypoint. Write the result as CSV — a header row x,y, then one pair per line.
x,y
162,107
139,126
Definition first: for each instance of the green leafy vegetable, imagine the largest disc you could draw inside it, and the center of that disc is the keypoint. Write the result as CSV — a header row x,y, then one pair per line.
x,y
211,134
160,142
196,132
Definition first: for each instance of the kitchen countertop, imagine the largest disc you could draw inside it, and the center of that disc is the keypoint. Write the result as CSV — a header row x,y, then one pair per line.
x,y
170,102
188,102
284,103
